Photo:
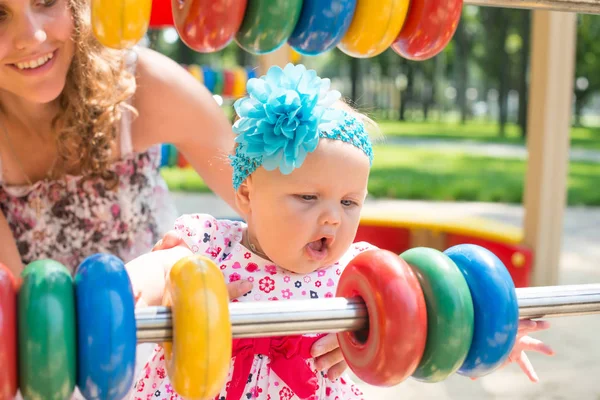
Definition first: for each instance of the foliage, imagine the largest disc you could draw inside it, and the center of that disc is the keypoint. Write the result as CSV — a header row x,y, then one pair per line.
x,y
587,62
441,175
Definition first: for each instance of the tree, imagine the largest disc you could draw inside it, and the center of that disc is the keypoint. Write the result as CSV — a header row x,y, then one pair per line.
x,y
587,62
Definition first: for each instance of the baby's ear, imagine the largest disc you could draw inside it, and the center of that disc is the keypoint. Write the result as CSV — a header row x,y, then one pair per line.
x,y
242,198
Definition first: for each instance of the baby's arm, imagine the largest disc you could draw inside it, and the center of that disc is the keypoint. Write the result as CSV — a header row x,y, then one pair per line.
x,y
148,273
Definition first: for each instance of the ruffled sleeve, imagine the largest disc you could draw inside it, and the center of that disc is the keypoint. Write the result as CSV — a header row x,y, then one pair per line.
x,y
207,236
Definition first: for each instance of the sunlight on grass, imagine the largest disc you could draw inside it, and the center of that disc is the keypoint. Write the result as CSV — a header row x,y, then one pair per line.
x,y
183,180
581,137
429,174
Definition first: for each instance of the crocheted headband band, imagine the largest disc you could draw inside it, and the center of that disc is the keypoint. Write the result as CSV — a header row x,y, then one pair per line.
x,y
282,119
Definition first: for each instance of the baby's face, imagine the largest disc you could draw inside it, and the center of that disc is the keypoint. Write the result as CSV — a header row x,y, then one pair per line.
x,y
307,220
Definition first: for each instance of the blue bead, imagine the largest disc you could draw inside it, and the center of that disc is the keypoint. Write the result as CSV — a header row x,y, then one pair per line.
x,y
210,78
106,330
496,308
164,155
321,26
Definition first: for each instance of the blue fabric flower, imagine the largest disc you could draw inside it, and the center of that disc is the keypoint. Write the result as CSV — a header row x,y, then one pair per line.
x,y
282,116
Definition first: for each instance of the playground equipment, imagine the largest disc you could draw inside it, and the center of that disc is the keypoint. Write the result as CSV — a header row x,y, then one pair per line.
x,y
227,82
394,316
399,231
536,247
230,83
358,28
311,27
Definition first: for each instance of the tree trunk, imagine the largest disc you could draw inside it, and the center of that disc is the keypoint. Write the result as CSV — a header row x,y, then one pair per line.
x,y
354,78
462,59
408,92
153,37
523,87
579,104
242,57
504,78
187,56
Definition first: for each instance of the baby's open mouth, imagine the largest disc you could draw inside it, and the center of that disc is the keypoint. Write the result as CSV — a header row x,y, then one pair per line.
x,y
318,249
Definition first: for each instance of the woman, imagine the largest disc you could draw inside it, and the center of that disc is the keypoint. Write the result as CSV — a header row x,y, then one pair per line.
x,y
80,127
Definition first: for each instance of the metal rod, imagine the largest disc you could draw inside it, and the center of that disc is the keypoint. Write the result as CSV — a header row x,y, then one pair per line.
x,y
576,6
294,317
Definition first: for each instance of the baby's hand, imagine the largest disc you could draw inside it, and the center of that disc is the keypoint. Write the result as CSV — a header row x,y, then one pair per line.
x,y
172,239
328,356
527,343
149,272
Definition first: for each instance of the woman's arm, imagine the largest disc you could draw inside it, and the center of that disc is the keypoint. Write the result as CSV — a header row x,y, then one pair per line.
x,y
175,108
9,256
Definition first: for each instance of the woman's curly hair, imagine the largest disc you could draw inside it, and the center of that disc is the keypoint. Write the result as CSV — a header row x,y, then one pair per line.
x,y
97,88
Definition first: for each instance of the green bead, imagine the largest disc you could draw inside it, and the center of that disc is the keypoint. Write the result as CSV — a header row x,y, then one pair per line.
x,y
47,341
450,314
268,24
219,82
172,155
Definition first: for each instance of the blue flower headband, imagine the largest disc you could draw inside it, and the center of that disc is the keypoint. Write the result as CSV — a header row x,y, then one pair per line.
x,y
282,119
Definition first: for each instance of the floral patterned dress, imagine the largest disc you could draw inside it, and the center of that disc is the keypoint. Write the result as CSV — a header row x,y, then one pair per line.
x,y
71,219
267,368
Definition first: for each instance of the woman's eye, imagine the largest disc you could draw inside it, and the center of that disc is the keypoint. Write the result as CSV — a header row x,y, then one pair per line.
x,y
47,3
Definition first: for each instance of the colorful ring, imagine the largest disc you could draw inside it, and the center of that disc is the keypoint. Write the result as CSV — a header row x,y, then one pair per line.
x,y
268,24
208,26
107,335
8,333
374,27
322,25
47,347
495,305
449,313
391,349
119,25
439,19
198,357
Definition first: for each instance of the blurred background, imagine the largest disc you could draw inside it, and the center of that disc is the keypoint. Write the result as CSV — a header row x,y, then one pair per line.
x,y
455,125
455,144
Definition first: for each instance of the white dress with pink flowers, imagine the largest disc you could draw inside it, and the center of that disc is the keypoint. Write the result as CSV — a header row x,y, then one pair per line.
x,y
269,368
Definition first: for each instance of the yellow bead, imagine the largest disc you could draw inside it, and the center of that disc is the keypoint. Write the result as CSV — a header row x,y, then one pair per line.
x,y
120,24
196,72
239,84
375,26
198,357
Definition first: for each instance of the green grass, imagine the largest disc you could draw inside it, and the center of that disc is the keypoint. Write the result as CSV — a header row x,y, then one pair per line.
x,y
581,137
184,180
426,174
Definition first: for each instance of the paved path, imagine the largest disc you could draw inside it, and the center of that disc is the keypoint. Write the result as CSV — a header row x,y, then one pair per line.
x,y
573,373
499,150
